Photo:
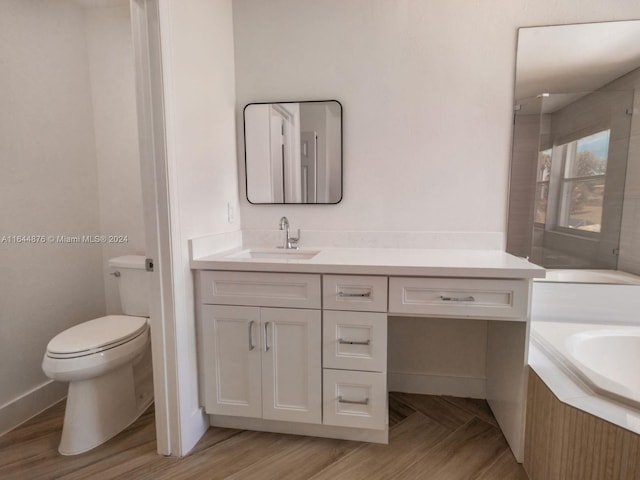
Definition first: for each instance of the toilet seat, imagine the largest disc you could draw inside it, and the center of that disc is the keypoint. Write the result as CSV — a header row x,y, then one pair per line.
x,y
95,336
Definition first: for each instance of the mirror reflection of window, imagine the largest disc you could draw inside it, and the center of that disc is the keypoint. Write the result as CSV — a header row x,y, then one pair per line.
x,y
574,171
583,182
542,186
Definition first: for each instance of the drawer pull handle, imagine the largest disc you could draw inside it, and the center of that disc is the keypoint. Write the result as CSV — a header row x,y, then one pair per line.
x,y
457,299
352,295
348,342
266,341
251,345
353,402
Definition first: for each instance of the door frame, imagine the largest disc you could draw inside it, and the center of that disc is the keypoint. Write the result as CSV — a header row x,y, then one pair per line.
x,y
145,25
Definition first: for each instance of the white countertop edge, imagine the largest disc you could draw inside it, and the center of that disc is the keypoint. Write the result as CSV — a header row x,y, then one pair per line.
x,y
385,261
570,390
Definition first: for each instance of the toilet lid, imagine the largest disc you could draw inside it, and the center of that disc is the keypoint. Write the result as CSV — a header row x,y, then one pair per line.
x,y
96,335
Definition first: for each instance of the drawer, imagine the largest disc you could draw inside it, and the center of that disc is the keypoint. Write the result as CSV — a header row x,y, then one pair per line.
x,y
354,399
294,290
481,298
354,340
352,292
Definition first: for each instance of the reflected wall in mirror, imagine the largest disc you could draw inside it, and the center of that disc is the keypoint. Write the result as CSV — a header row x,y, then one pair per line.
x,y
293,152
575,168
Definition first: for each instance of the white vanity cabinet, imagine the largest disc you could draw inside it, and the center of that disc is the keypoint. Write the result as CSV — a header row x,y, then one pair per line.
x,y
262,362
299,344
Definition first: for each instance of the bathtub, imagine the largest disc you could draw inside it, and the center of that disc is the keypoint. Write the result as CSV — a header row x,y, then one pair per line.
x,y
606,357
585,346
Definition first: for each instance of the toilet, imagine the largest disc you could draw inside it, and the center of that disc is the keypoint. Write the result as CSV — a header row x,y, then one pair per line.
x,y
107,362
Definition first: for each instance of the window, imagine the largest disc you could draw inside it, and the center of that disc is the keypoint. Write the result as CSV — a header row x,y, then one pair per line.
x,y
582,182
543,178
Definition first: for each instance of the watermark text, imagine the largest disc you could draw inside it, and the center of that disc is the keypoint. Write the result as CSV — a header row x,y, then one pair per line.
x,y
34,239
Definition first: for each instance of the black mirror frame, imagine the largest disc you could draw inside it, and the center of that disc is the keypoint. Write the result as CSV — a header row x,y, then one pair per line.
x,y
244,139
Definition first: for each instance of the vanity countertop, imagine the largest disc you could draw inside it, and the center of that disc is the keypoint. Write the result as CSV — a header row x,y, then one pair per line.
x,y
383,261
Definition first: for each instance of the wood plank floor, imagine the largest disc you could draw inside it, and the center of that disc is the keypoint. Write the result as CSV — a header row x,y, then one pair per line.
x,y
441,438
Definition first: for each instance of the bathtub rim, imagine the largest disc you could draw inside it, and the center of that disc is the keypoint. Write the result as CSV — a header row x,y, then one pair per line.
x,y
570,389
589,276
597,382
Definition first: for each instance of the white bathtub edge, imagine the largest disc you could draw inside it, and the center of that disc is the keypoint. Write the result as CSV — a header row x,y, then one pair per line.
x,y
570,390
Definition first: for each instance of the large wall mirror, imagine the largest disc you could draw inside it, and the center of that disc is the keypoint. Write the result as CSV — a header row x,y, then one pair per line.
x,y
293,152
575,169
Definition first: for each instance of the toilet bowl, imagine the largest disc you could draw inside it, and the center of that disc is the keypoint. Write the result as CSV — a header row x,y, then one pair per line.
x,y
107,362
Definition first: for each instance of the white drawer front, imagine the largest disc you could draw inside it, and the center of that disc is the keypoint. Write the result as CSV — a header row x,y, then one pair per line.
x,y
355,340
354,399
482,298
294,290
351,292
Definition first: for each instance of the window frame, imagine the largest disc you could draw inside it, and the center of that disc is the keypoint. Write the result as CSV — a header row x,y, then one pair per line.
x,y
565,184
541,184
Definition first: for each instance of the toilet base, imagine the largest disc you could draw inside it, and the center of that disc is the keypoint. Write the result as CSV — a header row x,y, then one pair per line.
x,y
99,408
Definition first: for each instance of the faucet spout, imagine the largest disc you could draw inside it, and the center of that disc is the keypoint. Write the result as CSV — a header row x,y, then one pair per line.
x,y
289,241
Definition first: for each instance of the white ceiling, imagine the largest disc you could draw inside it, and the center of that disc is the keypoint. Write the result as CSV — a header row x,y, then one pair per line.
x,y
574,58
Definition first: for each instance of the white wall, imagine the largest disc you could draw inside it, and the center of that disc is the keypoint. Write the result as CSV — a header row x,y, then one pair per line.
x,y
48,186
197,56
111,68
426,88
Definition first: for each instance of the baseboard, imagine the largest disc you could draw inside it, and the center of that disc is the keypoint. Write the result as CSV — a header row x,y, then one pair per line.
x,y
306,429
28,405
425,384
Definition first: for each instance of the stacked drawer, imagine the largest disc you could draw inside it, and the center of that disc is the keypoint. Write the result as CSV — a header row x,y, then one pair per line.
x,y
354,347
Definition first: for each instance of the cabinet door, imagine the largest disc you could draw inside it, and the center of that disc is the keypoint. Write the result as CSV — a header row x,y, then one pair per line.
x,y
232,360
291,365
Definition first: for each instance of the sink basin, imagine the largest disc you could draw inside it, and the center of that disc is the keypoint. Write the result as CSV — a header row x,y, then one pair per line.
x,y
276,254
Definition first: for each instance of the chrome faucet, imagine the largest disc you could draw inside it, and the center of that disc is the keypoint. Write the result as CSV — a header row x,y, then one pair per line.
x,y
289,241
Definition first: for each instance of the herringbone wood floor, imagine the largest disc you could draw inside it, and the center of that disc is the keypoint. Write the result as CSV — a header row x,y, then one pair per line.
x,y
440,438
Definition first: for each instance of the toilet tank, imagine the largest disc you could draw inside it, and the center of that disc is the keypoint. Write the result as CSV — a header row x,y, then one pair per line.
x,y
134,283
